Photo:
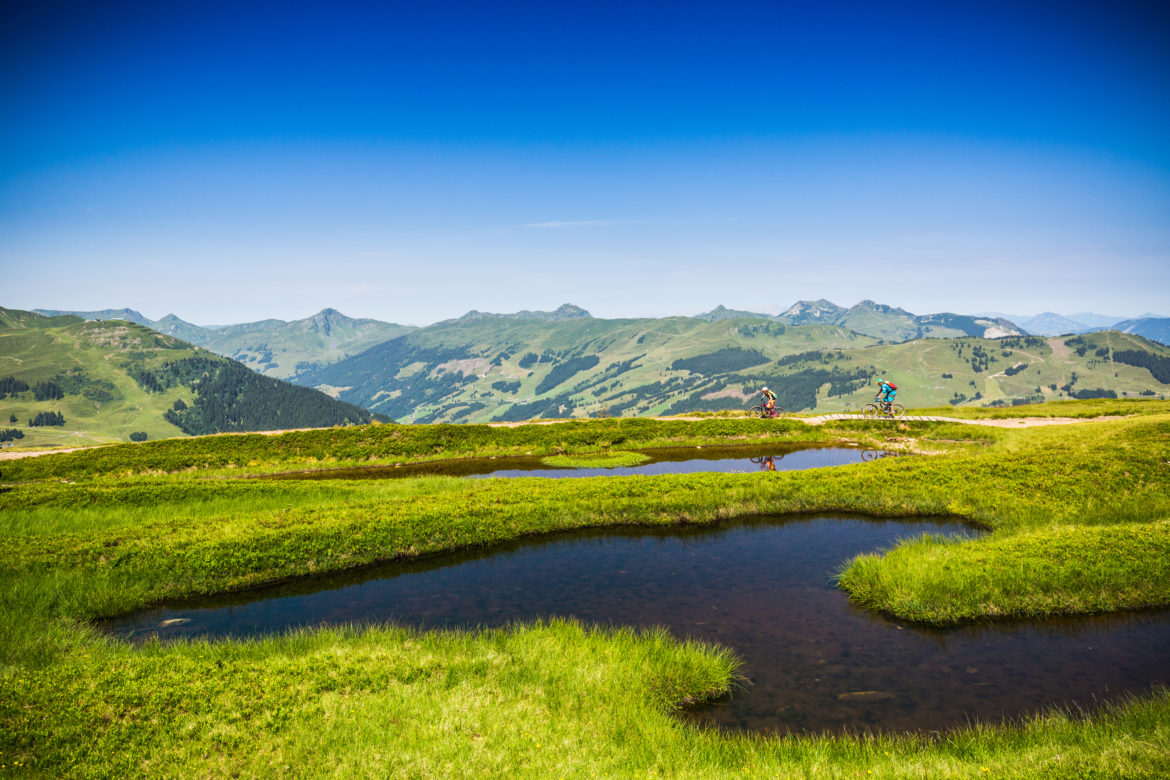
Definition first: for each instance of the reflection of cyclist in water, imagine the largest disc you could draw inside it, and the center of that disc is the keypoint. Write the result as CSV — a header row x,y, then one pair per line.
x,y
767,462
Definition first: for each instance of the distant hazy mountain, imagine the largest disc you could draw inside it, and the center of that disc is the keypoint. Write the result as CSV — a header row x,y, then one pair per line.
x,y
1095,321
721,312
1053,324
565,311
894,324
105,314
272,347
1154,328
181,329
819,312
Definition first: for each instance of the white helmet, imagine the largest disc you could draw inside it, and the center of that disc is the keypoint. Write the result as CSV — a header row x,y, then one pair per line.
x,y
764,390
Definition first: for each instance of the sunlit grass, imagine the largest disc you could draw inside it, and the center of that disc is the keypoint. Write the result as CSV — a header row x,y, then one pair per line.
x,y
596,460
1079,518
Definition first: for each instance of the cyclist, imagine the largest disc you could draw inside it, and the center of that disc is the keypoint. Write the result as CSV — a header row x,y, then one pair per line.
x,y
886,392
769,401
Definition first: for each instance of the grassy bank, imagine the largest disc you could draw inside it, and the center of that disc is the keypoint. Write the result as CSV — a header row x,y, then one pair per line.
x,y
389,444
1096,407
1080,520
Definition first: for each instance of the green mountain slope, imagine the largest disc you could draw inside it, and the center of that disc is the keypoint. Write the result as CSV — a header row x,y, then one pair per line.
x,y
511,369
498,369
109,379
284,349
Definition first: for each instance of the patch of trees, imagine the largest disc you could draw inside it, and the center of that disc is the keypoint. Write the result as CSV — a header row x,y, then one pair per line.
x,y
1018,401
263,355
566,370
1015,369
145,378
802,357
1079,344
506,387
11,434
368,374
617,369
529,359
10,385
138,436
229,397
46,418
48,391
948,376
1158,366
980,360
548,407
721,362
76,382
1022,342
1097,393
179,405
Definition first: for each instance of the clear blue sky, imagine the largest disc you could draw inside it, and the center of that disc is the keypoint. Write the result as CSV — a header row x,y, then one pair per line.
x,y
409,161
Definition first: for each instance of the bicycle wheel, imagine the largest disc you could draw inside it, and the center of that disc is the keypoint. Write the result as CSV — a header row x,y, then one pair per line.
x,y
756,411
897,410
871,410
777,412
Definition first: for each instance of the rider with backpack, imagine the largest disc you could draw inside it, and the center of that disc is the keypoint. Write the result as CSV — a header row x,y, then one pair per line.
x,y
886,392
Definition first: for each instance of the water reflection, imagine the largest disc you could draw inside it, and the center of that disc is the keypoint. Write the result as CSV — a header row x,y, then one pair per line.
x,y
678,460
763,587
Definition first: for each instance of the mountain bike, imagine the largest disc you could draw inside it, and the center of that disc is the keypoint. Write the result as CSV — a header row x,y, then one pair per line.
x,y
758,411
883,409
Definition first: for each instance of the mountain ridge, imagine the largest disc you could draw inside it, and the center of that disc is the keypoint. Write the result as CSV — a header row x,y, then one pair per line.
x,y
108,379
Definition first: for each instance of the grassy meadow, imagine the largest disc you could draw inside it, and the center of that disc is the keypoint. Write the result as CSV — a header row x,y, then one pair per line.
x,y
1079,519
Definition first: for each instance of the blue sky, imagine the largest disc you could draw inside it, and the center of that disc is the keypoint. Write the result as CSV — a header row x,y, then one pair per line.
x,y
410,161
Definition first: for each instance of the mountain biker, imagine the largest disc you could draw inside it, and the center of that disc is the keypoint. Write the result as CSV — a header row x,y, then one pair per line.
x,y
886,392
769,401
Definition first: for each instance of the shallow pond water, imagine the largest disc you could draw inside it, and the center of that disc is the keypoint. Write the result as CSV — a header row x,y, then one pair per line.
x,y
676,460
764,588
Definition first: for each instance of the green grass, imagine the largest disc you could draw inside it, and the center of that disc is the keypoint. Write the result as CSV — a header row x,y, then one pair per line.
x,y
1098,407
1080,519
596,460
390,444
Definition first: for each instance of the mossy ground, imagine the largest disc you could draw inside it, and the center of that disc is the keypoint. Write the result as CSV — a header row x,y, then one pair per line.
x,y
596,460
1080,519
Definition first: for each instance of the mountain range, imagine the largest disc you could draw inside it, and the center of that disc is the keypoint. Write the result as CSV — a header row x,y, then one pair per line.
x,y
271,347
66,380
816,355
